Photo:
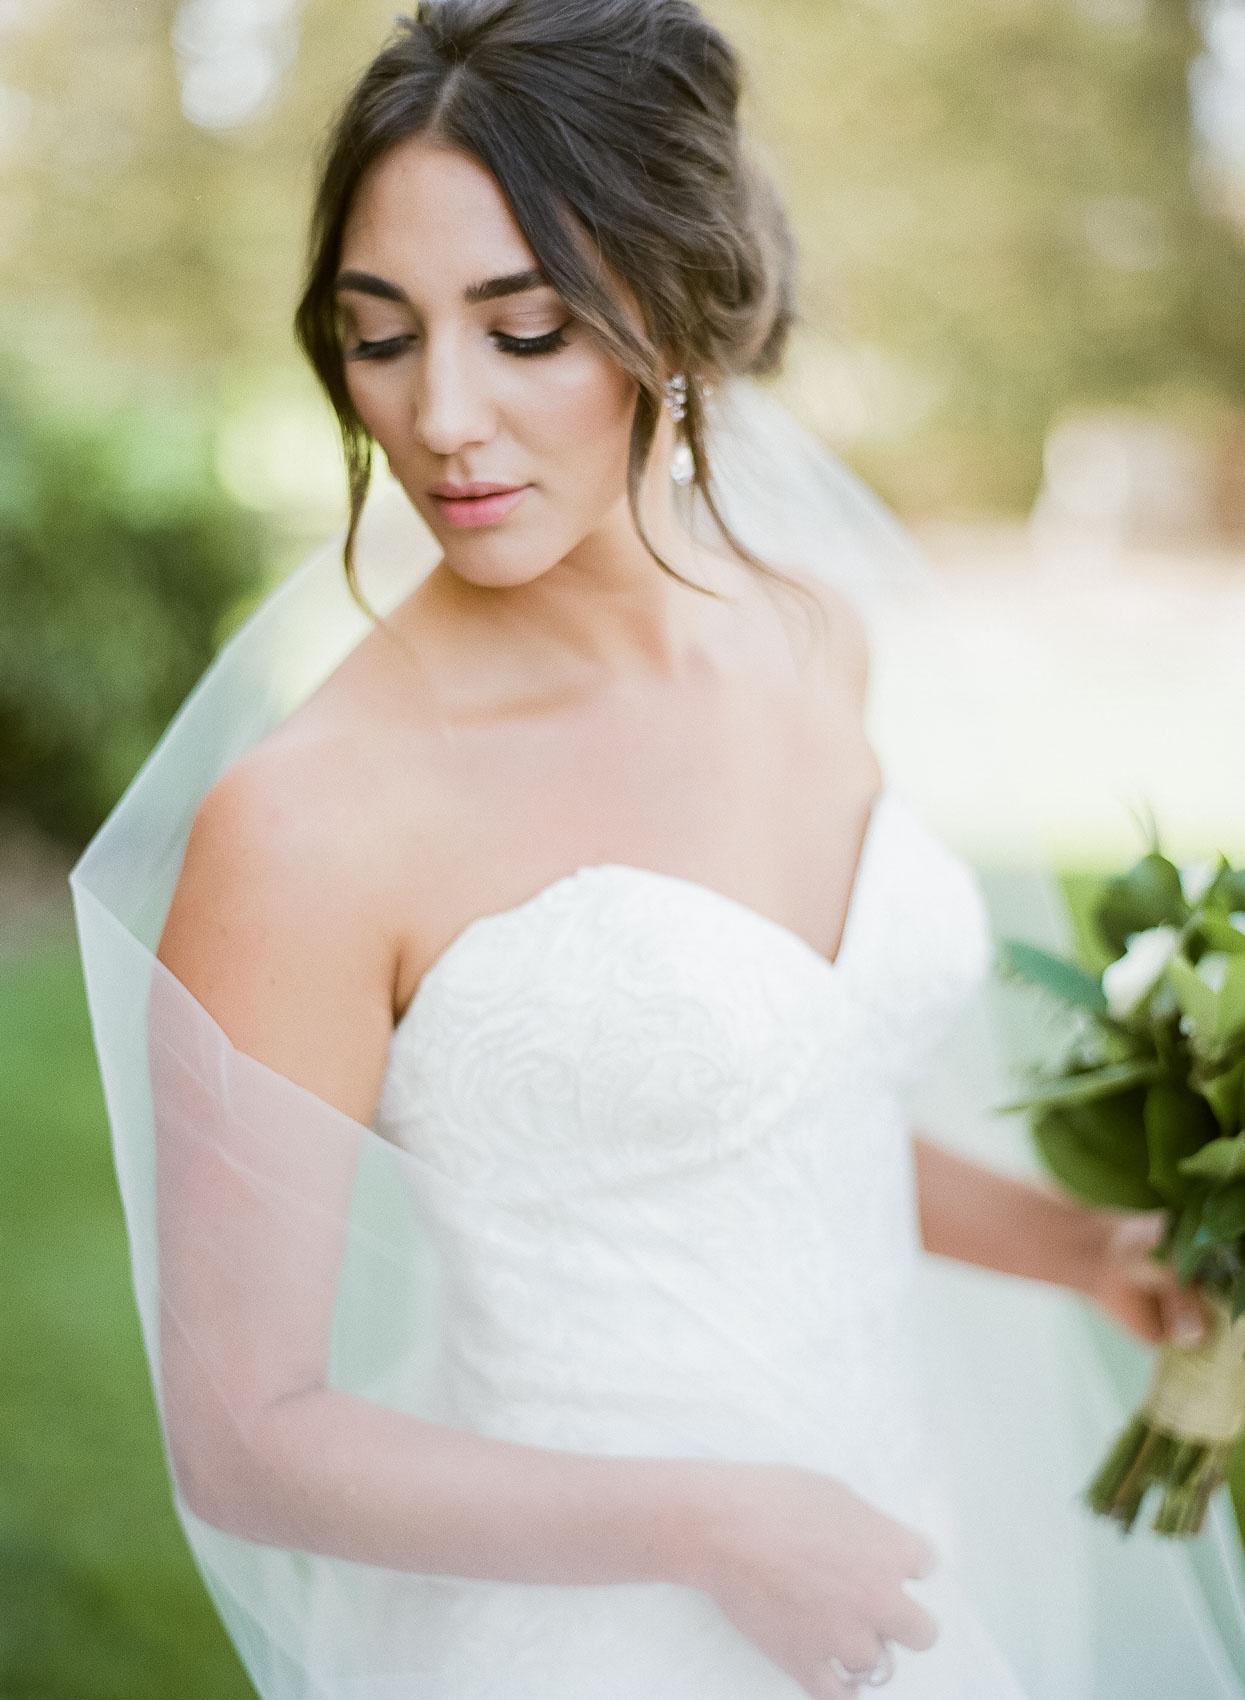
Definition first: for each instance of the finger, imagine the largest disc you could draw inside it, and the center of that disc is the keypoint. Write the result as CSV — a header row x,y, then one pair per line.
x,y
907,1621
923,1558
1155,1277
1141,1232
861,1649
859,1652
1184,1318
824,1685
1147,1320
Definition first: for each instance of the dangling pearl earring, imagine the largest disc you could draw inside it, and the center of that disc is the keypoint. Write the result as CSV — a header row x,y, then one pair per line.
x,y
682,465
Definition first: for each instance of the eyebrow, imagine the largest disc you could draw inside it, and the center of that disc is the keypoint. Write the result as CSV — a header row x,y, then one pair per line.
x,y
513,283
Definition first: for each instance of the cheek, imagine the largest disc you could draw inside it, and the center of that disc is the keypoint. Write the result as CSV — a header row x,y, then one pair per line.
x,y
572,412
378,404
581,408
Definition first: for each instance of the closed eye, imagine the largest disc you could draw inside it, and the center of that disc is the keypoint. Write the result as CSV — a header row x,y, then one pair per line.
x,y
518,345
377,350
533,344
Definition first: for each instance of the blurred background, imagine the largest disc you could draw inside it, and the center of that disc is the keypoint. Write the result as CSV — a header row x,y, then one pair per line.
x,y
1023,295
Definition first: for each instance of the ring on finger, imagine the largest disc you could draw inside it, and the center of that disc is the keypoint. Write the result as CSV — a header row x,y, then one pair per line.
x,y
874,1677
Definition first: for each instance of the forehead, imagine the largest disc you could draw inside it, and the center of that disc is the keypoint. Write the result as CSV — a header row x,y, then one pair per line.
x,y
433,213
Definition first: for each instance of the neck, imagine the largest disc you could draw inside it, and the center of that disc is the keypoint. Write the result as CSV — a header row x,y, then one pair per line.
x,y
607,611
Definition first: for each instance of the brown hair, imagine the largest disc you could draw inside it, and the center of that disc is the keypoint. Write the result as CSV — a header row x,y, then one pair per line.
x,y
608,120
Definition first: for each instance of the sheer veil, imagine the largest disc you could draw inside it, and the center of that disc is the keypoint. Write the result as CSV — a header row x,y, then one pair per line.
x,y
248,1200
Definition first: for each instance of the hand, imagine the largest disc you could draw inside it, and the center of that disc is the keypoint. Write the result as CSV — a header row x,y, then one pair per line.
x,y
807,1570
1135,1290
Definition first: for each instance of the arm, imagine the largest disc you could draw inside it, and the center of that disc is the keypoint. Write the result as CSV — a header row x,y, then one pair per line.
x,y
276,934
1020,1227
352,1478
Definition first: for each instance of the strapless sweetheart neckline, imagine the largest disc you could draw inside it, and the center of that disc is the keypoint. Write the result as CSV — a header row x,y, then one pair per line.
x,y
883,798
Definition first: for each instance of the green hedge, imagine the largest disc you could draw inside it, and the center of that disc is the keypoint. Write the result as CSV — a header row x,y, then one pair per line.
x,y
121,558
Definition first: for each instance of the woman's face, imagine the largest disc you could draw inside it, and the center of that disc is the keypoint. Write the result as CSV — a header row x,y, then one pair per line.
x,y
480,375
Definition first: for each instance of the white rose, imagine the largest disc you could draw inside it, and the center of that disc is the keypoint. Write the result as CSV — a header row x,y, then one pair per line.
x,y
1211,967
1196,879
1127,982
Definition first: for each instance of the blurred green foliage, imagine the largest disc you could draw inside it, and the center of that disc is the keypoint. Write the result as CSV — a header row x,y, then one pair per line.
x,y
120,560
99,1595
1004,216
1003,213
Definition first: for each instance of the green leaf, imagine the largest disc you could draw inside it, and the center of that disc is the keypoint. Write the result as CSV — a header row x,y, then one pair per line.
x,y
1219,934
1186,1225
1099,1150
1221,1160
1062,979
1229,885
1190,1253
1194,996
1148,895
1088,1085
1178,1124
1224,1213
1229,1020
1225,1093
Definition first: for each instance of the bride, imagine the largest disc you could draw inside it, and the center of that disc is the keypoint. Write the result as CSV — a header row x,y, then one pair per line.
x,y
578,881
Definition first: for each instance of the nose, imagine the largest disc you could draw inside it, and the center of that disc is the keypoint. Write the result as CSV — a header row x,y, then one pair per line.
x,y
451,405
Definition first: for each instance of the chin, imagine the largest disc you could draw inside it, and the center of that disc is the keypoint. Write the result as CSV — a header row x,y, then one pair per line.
x,y
494,562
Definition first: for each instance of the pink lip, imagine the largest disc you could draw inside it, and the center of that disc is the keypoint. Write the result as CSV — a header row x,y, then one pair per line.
x,y
476,504
478,487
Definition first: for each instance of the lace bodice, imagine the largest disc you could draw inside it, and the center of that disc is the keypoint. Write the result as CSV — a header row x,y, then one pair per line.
x,y
723,1006
665,1163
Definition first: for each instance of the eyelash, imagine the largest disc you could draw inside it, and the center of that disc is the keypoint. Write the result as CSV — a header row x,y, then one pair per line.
x,y
524,347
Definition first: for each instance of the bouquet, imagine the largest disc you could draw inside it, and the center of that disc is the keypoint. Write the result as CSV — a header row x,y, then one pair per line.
x,y
1147,1111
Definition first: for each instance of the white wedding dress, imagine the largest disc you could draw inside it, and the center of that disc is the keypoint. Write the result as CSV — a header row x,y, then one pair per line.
x,y
664,1159
640,1182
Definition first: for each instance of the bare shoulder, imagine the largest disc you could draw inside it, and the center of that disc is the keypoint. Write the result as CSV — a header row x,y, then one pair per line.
x,y
276,926
842,643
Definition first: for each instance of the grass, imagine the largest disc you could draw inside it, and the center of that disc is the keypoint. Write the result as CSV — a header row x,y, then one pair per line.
x,y
102,1600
